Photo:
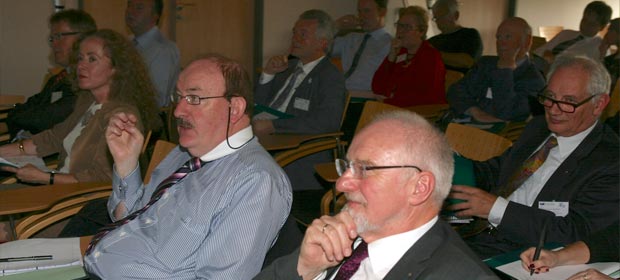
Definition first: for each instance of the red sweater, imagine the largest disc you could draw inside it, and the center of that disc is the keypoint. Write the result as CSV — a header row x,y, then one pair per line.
x,y
419,83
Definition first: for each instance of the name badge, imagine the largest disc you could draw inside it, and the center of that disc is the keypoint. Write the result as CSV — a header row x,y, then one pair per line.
x,y
401,58
55,96
301,104
559,208
489,93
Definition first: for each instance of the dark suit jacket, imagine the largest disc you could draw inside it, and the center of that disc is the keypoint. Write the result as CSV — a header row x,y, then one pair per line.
x,y
511,89
587,179
323,87
39,113
439,254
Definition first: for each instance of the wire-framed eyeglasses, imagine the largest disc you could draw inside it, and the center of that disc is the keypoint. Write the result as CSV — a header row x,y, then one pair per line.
x,y
358,169
567,107
58,36
192,99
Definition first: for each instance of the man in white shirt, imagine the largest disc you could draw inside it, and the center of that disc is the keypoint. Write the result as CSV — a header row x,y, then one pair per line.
x,y
396,176
595,18
574,189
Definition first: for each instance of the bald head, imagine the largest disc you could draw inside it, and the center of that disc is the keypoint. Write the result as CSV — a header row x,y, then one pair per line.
x,y
514,34
446,15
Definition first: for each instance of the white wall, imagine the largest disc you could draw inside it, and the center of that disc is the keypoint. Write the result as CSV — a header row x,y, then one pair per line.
x,y
565,13
24,51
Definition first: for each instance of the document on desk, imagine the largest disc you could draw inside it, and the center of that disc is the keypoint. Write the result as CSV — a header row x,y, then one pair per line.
x,y
20,161
64,251
515,270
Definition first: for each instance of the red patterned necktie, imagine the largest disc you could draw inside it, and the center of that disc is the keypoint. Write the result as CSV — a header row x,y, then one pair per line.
x,y
190,166
529,167
351,265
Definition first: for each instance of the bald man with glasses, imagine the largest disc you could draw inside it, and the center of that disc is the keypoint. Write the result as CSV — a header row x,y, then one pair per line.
x,y
562,171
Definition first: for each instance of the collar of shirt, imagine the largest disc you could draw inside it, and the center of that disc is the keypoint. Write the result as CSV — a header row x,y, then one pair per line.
x,y
309,66
566,145
146,38
377,33
386,252
236,140
522,60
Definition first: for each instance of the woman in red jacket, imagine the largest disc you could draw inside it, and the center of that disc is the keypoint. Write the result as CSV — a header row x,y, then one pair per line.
x,y
412,73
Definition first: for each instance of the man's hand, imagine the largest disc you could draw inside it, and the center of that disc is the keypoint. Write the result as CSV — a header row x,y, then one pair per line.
x,y
124,141
507,58
327,242
348,22
394,49
262,127
276,64
29,173
477,202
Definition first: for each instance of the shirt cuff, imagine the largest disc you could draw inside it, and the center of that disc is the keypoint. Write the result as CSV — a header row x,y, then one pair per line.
x,y
265,78
321,276
497,211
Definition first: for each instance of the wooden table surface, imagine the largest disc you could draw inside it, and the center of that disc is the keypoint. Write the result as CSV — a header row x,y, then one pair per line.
x,y
30,199
284,141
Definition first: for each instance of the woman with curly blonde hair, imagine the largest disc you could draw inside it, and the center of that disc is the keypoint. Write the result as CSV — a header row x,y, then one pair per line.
x,y
111,77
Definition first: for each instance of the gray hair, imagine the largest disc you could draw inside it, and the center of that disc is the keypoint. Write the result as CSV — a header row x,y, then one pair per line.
x,y
426,147
325,29
599,80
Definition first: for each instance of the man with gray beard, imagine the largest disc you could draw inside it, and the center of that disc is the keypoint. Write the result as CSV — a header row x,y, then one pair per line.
x,y
396,176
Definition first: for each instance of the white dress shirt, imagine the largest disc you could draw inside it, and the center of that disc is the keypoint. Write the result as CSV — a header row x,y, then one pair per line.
x,y
588,46
383,254
526,194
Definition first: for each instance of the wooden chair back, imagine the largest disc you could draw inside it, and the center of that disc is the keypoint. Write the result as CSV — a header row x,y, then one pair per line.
x,y
430,112
70,206
11,99
286,157
513,130
452,77
371,109
548,32
474,143
347,100
330,204
537,42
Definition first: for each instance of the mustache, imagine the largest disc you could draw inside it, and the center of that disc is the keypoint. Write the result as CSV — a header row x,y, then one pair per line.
x,y
181,122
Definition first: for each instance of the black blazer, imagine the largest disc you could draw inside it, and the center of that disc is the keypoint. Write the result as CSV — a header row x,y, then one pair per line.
x,y
588,179
439,254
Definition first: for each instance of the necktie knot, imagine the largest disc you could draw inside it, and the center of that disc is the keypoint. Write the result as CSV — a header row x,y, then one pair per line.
x,y
352,264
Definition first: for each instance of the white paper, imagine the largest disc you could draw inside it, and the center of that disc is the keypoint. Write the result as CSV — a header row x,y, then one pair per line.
x,y
517,271
64,252
20,161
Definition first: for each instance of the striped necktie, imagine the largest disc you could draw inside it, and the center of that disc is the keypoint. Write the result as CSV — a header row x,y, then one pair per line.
x,y
528,168
352,264
190,166
276,104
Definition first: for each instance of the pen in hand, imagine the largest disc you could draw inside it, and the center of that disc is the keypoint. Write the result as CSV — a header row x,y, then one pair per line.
x,y
30,258
540,245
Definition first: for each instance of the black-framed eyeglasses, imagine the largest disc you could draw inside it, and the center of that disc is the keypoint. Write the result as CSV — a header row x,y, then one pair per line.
x,y
358,169
192,99
58,36
403,26
564,106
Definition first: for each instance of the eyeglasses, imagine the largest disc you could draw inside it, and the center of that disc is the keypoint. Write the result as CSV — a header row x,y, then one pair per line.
x,y
404,27
192,99
58,36
358,169
566,107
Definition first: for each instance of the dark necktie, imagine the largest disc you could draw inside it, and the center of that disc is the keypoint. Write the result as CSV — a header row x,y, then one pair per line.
x,y
356,58
350,266
566,44
529,167
190,166
287,90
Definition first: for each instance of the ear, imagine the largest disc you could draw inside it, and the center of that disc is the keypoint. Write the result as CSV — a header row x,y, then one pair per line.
x,y
600,104
237,106
423,187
